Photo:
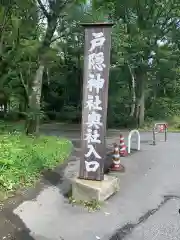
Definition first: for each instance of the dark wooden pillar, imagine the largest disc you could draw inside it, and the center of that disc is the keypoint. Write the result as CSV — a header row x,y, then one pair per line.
x,y
95,97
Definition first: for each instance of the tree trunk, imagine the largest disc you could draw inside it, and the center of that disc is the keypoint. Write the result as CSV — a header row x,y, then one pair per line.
x,y
140,93
32,124
33,120
142,104
133,92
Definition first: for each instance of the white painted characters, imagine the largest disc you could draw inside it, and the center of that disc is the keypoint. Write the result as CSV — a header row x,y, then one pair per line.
x,y
92,151
94,120
92,136
93,103
91,166
95,84
96,61
97,41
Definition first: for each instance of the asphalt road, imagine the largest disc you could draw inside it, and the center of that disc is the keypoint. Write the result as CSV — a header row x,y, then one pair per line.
x,y
164,224
145,208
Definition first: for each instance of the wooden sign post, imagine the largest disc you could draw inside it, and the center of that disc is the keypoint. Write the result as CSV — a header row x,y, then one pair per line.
x,y
95,97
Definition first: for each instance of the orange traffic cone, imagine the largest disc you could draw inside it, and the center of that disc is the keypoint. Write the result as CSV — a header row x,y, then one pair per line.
x,y
116,166
122,147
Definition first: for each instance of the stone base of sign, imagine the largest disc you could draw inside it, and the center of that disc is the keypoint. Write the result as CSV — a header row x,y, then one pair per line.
x,y
87,190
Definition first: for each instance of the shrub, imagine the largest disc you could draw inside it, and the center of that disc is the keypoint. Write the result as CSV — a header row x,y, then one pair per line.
x,y
163,108
23,158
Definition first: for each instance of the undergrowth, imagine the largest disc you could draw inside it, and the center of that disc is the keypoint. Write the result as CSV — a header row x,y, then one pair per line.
x,y
23,158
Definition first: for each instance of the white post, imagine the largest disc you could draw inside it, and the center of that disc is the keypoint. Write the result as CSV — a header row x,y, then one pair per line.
x,y
138,139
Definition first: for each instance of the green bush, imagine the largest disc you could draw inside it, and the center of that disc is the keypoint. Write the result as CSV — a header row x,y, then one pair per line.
x,y
174,122
163,108
70,114
23,158
9,126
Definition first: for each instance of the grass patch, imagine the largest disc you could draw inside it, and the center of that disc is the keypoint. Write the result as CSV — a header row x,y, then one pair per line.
x,y
23,158
91,206
8,126
173,124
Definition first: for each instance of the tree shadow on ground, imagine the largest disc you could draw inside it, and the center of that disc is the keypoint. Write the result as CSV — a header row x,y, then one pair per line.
x,y
53,177
13,228
57,177
59,180
22,235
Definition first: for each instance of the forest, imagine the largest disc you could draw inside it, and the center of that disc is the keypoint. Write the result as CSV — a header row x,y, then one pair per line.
x,y
41,60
